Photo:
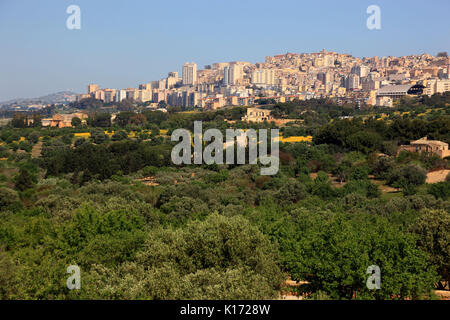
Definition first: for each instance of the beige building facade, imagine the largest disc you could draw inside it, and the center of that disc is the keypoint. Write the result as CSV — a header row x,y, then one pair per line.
x,y
257,115
430,146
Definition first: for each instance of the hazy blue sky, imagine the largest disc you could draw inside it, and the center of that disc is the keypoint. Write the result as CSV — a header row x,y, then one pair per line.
x,y
124,43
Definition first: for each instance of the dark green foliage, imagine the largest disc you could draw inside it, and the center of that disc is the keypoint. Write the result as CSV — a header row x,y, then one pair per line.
x,y
76,122
333,251
322,187
359,173
221,176
364,141
440,190
291,192
24,180
141,228
414,175
124,118
382,167
8,198
67,138
100,120
189,263
156,117
33,137
119,135
78,142
23,145
363,187
181,209
410,174
104,160
99,137
434,238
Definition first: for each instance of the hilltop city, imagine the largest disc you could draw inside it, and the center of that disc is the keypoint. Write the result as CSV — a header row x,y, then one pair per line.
x,y
376,81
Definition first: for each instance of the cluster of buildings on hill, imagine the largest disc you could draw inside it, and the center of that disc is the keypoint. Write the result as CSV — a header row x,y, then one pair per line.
x,y
374,81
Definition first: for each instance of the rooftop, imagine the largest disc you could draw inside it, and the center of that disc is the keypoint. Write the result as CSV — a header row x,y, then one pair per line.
x,y
397,88
425,140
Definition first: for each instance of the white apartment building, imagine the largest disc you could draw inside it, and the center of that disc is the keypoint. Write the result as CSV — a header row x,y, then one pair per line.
x,y
352,82
110,95
436,86
121,95
263,77
361,71
233,74
189,74
144,95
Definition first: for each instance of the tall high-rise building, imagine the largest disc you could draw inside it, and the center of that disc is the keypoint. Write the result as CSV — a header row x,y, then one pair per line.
x,y
226,76
98,94
325,77
132,94
172,80
263,77
236,73
361,71
144,95
110,95
189,74
233,74
121,95
352,82
92,88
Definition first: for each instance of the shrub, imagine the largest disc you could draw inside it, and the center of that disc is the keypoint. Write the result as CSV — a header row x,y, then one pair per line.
x,y
291,192
8,198
407,175
414,174
440,190
33,137
79,142
24,180
434,238
119,135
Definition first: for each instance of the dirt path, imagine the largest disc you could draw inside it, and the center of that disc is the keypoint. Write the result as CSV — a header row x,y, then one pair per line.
x,y
36,151
443,294
437,176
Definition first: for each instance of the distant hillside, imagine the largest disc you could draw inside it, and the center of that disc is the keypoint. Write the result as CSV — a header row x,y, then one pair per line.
x,y
59,97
